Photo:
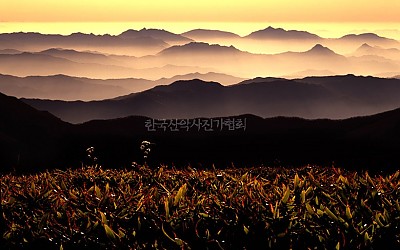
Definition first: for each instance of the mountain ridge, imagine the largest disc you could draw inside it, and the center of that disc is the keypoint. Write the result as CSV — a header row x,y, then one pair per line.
x,y
213,34
328,97
160,34
279,33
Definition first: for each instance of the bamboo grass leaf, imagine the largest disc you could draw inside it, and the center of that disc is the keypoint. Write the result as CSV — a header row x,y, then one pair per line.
x,y
285,197
109,232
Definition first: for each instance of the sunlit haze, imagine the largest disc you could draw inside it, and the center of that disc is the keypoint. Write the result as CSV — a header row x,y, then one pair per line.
x,y
326,18
200,11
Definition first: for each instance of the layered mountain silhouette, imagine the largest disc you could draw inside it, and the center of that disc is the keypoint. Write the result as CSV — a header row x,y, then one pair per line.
x,y
60,87
32,140
182,55
316,97
232,61
27,64
68,88
85,56
105,43
366,49
369,38
81,64
349,43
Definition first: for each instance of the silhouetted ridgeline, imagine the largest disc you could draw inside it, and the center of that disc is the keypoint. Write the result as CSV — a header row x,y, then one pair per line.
x,y
334,97
32,140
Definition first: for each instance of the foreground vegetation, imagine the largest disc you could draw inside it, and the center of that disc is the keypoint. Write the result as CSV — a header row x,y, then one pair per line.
x,y
299,208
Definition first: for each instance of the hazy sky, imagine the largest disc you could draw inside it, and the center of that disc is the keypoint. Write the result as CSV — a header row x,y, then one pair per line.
x,y
200,11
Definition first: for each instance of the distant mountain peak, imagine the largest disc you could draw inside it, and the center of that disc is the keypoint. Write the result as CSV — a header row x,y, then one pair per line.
x,y
261,80
364,36
365,45
206,33
154,33
318,48
270,28
200,47
193,81
188,85
155,30
80,34
279,33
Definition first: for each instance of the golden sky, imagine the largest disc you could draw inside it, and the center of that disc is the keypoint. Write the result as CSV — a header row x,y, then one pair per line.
x,y
199,11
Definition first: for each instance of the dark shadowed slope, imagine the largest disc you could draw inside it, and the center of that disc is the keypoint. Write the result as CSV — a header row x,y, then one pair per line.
x,y
29,137
362,142
369,91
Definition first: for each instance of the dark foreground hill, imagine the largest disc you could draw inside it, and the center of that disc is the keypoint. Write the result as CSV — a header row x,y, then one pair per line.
x,y
29,137
34,140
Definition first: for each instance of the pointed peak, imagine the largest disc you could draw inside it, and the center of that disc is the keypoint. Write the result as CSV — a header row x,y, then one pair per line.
x,y
200,47
319,47
272,28
366,45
